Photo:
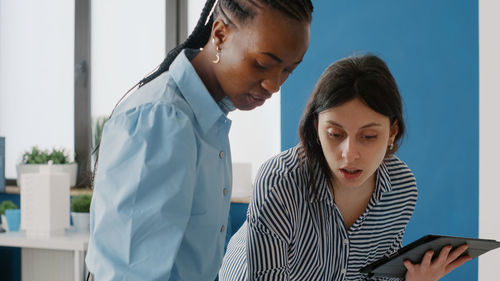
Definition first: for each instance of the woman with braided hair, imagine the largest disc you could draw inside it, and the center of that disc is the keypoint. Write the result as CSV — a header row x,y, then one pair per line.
x,y
163,184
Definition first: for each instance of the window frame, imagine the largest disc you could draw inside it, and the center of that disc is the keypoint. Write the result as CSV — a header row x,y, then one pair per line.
x,y
176,32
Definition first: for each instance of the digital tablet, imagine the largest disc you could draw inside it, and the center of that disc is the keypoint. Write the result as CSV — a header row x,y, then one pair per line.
x,y
392,266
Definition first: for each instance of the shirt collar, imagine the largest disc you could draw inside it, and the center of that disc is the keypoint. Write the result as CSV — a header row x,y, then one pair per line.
x,y
383,181
382,184
205,109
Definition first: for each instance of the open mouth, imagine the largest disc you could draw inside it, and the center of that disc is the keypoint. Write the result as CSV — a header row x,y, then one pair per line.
x,y
351,173
256,100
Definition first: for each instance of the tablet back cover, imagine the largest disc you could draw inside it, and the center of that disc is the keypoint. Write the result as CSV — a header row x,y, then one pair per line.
x,y
393,266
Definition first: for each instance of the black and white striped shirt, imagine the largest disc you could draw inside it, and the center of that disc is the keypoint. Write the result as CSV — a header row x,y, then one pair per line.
x,y
292,235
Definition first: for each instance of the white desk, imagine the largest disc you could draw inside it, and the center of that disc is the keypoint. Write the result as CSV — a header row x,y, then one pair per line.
x,y
53,258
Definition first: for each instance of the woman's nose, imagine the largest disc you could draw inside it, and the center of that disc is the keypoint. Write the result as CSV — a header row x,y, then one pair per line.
x,y
272,83
350,150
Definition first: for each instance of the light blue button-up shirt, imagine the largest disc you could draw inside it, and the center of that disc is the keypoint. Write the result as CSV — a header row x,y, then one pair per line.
x,y
163,184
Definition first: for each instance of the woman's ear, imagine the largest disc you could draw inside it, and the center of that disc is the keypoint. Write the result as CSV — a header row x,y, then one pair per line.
x,y
394,132
220,32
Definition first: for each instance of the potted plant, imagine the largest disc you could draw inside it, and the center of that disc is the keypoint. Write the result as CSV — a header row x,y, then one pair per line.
x,y
97,134
80,211
14,217
61,162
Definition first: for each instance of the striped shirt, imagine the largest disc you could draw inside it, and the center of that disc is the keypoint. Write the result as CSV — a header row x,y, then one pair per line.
x,y
290,234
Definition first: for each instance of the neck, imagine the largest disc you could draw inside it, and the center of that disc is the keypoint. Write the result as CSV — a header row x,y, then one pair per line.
x,y
205,69
364,189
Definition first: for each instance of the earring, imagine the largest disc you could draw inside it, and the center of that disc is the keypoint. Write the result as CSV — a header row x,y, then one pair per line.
x,y
391,146
217,54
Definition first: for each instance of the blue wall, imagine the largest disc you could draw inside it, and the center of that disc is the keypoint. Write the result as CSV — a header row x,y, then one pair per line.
x,y
431,48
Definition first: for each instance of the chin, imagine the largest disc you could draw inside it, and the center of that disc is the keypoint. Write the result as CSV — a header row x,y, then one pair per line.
x,y
245,107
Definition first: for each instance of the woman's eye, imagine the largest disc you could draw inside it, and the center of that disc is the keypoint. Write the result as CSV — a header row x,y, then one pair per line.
x,y
334,135
261,66
370,137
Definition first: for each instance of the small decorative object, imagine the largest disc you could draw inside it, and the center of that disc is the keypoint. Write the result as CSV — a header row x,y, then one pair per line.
x,y
4,206
80,212
2,164
36,158
45,201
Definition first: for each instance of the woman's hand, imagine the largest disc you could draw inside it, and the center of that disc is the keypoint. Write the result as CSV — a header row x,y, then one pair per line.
x,y
431,270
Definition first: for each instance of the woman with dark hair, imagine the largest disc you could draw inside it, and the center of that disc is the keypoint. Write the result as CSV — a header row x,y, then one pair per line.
x,y
341,199
162,186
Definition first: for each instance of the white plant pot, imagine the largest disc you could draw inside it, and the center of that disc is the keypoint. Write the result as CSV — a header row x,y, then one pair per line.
x,y
71,169
5,226
81,221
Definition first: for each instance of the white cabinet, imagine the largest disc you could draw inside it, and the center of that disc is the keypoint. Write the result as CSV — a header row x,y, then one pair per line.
x,y
60,257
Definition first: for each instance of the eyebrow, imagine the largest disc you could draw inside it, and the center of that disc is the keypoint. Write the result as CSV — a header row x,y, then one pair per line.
x,y
273,56
276,58
373,124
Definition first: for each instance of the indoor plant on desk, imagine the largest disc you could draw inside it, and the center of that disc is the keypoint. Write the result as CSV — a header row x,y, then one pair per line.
x,y
61,162
5,206
80,211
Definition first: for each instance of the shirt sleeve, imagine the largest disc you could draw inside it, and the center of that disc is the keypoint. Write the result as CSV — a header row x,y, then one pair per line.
x,y
269,232
143,194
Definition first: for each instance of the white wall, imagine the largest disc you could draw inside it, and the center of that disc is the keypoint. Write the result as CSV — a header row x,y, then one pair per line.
x,y
255,135
489,135
128,42
36,76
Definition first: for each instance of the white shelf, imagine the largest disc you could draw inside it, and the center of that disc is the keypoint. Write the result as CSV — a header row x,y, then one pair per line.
x,y
70,241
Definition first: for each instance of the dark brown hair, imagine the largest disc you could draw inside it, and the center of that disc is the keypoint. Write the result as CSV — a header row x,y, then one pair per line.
x,y
366,77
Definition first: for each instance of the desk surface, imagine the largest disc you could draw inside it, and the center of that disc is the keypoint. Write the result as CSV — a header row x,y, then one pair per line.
x,y
79,191
9,189
71,240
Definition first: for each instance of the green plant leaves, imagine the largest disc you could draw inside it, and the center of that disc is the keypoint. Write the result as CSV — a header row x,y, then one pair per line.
x,y
81,203
38,156
7,205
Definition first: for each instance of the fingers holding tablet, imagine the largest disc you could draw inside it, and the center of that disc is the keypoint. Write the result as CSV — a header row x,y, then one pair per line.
x,y
430,269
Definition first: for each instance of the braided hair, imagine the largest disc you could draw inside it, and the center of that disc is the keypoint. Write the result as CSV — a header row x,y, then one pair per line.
x,y
300,10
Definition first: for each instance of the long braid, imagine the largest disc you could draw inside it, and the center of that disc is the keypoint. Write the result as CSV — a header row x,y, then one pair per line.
x,y
197,39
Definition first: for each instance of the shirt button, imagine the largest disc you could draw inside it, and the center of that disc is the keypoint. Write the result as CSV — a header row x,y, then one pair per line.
x,y
225,191
346,241
223,228
344,271
221,154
